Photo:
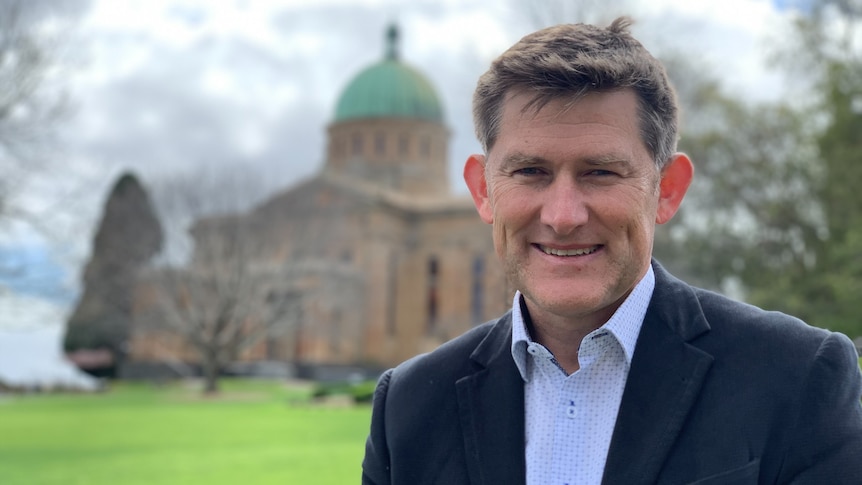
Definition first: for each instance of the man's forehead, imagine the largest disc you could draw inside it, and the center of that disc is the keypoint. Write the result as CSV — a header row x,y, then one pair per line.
x,y
618,108
529,101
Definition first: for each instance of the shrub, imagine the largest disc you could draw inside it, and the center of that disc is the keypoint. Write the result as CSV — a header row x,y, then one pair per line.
x,y
360,392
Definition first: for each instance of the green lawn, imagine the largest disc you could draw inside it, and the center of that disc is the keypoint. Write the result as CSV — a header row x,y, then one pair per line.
x,y
255,433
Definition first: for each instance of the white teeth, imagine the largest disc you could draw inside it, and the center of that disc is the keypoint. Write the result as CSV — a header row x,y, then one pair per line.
x,y
568,252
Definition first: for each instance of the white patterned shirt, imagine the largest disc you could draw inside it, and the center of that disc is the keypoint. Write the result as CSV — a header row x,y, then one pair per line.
x,y
569,419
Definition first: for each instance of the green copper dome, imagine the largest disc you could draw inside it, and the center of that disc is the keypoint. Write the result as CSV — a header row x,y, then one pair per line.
x,y
389,89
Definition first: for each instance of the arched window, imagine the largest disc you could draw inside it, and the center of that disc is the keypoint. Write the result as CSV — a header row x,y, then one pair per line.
x,y
380,143
356,145
425,147
393,293
433,276
403,145
477,302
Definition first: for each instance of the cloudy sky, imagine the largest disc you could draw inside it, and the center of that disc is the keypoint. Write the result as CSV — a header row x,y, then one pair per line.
x,y
168,87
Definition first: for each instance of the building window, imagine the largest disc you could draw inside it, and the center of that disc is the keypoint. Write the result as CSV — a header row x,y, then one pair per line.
x,y
393,294
433,276
403,145
380,144
271,348
425,147
477,302
356,149
338,149
335,331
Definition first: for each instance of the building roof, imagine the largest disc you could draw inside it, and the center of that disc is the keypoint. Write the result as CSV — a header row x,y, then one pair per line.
x,y
389,89
301,199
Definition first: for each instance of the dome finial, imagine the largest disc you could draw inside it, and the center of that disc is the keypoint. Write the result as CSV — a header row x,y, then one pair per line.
x,y
392,42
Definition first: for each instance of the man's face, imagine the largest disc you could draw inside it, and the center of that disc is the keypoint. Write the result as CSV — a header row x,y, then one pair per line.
x,y
573,195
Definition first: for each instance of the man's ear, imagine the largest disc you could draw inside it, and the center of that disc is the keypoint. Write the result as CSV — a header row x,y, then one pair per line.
x,y
474,175
675,178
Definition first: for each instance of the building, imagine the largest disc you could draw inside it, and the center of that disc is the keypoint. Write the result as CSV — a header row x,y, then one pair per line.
x,y
374,255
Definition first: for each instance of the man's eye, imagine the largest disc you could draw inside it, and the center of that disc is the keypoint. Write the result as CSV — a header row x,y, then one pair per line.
x,y
601,173
528,171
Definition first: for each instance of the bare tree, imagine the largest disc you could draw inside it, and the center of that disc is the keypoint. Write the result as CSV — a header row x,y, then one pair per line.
x,y
227,308
226,292
222,304
204,293
36,181
32,102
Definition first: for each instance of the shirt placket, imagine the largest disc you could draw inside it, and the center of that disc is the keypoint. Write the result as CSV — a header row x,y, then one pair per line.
x,y
569,418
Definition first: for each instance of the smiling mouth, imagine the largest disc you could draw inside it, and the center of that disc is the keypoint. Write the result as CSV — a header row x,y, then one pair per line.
x,y
568,252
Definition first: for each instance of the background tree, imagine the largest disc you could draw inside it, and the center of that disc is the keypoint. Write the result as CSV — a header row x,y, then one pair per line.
x,y
222,303
216,295
774,210
825,54
128,236
39,181
749,210
202,297
248,279
32,101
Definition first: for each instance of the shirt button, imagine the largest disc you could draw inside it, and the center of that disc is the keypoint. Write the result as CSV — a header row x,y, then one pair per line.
x,y
534,349
571,412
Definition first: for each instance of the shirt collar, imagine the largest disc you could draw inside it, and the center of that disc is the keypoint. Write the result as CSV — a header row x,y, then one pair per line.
x,y
625,324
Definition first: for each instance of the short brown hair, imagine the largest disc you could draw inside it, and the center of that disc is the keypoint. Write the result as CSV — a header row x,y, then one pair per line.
x,y
571,60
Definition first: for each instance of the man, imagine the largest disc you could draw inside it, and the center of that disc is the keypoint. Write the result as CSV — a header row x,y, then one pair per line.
x,y
607,369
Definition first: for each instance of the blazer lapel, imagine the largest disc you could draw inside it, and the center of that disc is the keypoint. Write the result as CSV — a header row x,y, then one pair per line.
x,y
491,407
665,378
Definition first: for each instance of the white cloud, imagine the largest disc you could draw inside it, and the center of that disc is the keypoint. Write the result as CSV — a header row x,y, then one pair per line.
x,y
747,14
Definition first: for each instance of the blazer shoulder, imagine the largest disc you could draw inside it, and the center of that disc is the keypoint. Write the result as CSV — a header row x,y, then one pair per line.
x,y
699,315
735,318
734,331
775,351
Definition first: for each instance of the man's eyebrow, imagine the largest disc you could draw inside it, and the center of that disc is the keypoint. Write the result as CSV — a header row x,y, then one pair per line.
x,y
609,159
521,160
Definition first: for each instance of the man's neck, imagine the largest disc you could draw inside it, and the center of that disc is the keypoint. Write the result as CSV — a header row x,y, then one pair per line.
x,y
561,336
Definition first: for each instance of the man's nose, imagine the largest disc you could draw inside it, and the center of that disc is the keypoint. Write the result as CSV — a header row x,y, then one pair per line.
x,y
564,207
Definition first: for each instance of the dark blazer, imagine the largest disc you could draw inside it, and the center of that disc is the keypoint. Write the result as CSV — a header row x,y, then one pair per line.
x,y
719,392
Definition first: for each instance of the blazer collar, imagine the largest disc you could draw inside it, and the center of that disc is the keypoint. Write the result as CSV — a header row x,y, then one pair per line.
x,y
491,411
675,303
665,378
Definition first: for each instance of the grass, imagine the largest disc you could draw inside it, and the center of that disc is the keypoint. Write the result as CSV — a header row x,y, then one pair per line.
x,y
254,433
